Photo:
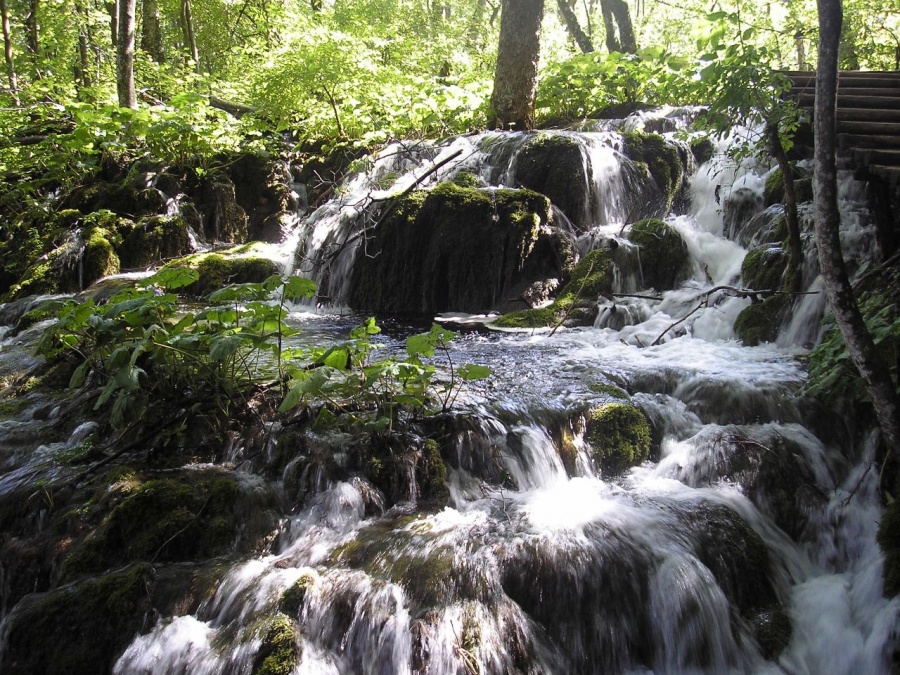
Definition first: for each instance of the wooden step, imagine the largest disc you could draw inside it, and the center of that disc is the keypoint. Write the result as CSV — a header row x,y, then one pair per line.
x,y
854,101
852,141
881,157
868,128
867,115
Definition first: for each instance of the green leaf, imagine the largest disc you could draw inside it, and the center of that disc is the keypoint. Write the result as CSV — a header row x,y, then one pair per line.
x,y
79,375
224,347
296,288
471,371
171,278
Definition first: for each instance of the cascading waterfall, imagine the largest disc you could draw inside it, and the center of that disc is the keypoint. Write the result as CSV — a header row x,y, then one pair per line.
x,y
746,530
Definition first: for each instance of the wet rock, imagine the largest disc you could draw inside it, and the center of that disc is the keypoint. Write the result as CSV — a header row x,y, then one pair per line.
x,y
619,436
223,218
663,163
738,208
665,261
576,303
279,652
889,541
79,628
153,239
555,166
456,249
773,631
235,266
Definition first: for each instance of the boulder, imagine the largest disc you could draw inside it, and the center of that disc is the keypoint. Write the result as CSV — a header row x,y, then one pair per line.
x,y
665,261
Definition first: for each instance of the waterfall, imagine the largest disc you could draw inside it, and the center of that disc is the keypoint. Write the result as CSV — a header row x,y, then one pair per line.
x,y
745,544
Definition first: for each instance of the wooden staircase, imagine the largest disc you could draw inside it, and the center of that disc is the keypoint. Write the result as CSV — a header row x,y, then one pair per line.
x,y
868,118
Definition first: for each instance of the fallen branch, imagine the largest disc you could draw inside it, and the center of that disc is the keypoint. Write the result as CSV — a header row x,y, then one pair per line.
x,y
236,110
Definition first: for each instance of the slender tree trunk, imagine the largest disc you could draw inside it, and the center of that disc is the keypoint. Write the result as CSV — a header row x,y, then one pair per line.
x,y
572,26
515,77
795,243
125,55
151,33
33,37
83,71
187,28
8,53
475,24
860,345
113,9
619,29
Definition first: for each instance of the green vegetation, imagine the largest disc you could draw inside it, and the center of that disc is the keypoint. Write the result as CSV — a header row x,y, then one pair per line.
x,y
619,436
279,652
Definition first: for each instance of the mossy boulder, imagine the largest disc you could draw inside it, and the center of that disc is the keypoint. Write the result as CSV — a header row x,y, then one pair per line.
x,y
387,465
889,541
774,188
455,249
188,516
763,268
79,628
154,239
228,267
702,149
576,303
223,218
619,435
555,166
665,261
279,652
663,164
291,601
760,321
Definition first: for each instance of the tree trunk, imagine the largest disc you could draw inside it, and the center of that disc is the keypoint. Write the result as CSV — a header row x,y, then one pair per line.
x,y
8,53
619,29
113,9
792,220
574,29
151,33
860,345
33,38
125,55
83,70
515,77
187,29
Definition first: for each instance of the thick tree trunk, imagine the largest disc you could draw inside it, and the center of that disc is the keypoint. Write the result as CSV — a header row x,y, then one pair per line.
x,y
792,220
860,345
151,33
8,53
573,27
187,29
125,55
515,77
619,29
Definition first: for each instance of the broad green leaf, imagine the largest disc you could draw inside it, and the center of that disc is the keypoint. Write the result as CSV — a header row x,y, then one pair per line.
x,y
471,371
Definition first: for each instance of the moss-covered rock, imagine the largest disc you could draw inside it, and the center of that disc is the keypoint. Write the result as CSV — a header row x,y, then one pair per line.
x,y
555,166
774,188
79,628
279,652
889,541
702,149
291,601
223,218
154,239
760,321
591,278
763,268
619,436
663,163
227,267
455,248
665,261
184,517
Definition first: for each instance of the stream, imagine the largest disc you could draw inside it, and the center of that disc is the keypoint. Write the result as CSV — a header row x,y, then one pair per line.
x,y
752,526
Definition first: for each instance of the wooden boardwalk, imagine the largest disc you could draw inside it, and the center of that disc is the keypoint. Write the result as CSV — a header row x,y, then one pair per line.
x,y
868,117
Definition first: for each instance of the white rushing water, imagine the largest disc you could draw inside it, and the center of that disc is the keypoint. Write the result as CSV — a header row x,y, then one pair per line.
x,y
540,563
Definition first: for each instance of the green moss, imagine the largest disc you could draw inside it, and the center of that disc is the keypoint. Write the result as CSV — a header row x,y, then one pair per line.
x,y
433,471
220,269
99,258
154,239
187,517
279,653
591,278
291,601
609,390
80,628
702,149
889,541
466,179
760,321
619,436
773,192
662,162
763,268
665,261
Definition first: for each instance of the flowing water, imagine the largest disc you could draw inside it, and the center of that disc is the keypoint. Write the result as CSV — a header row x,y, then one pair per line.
x,y
744,521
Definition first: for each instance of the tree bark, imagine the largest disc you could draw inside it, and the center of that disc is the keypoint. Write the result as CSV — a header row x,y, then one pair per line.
x,y
33,37
619,29
125,55
187,29
574,29
113,9
8,53
515,77
83,70
860,345
151,33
